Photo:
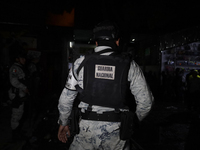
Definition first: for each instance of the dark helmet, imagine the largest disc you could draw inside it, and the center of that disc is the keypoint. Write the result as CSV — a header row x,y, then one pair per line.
x,y
31,55
106,31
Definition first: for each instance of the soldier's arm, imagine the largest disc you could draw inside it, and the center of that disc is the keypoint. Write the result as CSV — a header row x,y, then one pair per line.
x,y
139,88
68,94
14,79
66,100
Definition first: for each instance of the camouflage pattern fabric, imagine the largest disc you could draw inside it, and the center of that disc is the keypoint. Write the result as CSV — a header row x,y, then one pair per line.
x,y
16,75
139,88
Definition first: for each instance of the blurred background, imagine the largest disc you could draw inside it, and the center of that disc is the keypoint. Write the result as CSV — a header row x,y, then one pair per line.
x,y
163,36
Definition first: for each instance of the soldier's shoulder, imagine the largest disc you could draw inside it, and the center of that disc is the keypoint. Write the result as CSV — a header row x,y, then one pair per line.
x,y
79,60
14,68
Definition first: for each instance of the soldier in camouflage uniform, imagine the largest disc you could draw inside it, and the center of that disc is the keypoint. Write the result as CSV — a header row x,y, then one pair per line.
x,y
101,133
18,91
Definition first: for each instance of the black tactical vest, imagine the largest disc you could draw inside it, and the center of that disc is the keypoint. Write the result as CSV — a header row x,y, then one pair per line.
x,y
105,80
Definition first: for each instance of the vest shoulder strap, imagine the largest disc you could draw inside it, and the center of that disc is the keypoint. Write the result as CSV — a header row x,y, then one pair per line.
x,y
87,57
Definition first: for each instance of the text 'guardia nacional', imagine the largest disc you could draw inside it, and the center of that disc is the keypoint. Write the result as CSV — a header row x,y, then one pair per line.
x,y
105,72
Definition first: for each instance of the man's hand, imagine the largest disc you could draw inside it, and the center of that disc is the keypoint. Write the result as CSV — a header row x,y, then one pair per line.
x,y
63,131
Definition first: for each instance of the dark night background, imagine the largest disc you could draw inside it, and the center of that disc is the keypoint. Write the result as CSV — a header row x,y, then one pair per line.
x,y
155,17
168,127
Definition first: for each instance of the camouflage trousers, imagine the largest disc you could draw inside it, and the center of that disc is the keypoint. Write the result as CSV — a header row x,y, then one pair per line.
x,y
99,135
16,116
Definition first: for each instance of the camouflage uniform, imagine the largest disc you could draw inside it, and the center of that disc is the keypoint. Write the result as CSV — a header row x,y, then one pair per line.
x,y
100,134
17,77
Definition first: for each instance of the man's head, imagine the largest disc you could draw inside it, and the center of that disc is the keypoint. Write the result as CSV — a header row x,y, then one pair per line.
x,y
21,58
106,33
17,53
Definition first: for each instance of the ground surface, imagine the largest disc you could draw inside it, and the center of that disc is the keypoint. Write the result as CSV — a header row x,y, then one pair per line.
x,y
169,126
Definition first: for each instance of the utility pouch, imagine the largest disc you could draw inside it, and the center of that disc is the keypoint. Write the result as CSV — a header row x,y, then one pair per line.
x,y
74,124
128,124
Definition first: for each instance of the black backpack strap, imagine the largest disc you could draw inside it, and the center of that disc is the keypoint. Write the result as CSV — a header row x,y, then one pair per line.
x,y
83,63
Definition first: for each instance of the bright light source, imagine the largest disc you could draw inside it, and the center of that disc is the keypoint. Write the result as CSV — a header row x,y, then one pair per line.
x,y
133,40
70,44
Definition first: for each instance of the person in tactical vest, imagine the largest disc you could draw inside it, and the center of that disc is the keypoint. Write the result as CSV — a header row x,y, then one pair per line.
x,y
18,91
103,81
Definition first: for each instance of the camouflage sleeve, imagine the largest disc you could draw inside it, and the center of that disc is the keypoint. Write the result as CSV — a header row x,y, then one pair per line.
x,y
65,105
140,90
68,95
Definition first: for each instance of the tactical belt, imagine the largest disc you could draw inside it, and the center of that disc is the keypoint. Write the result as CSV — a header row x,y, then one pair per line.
x,y
111,116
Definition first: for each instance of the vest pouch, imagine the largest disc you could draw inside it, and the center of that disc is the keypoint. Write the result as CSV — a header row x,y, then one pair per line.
x,y
127,125
74,122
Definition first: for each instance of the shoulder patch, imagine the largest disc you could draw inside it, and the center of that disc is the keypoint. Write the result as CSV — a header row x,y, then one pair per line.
x,y
14,70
